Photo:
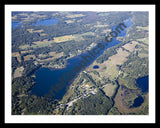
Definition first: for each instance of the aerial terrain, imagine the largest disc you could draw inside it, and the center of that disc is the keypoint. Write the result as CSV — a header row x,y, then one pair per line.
x,y
47,47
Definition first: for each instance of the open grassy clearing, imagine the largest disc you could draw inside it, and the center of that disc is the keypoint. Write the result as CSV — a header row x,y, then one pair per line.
x,y
100,26
17,55
32,30
43,42
28,17
18,72
23,47
143,48
130,46
143,55
74,15
51,55
119,58
110,89
144,40
103,14
107,31
27,51
63,38
43,57
70,21
29,57
139,28
87,34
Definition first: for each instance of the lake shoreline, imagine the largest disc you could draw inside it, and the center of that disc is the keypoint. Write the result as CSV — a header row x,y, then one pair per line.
x,y
73,62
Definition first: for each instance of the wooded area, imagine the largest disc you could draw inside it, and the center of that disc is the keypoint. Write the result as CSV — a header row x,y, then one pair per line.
x,y
90,28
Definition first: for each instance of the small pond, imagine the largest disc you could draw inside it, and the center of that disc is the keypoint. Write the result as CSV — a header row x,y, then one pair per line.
x,y
138,101
95,66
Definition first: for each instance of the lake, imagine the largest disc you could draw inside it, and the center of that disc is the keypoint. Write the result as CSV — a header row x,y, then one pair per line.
x,y
41,22
16,24
138,101
142,83
45,77
46,22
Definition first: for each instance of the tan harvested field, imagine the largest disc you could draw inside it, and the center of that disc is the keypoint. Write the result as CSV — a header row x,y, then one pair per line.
x,y
29,17
106,31
74,15
42,34
63,38
112,70
32,30
29,57
53,55
56,55
100,26
43,42
48,59
87,34
24,46
17,55
143,48
144,40
142,28
70,21
109,89
28,51
119,58
42,55
38,31
18,72
130,46
76,37
143,55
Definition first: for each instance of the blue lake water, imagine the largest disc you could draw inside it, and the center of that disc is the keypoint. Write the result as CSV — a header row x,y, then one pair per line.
x,y
42,22
143,83
46,22
47,79
138,101
16,24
